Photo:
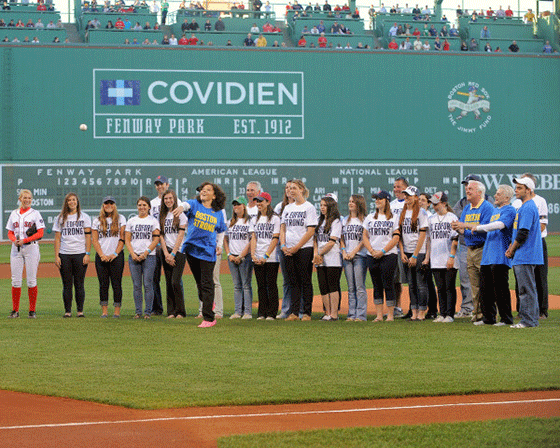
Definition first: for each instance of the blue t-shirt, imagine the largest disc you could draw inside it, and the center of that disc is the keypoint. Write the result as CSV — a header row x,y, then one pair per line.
x,y
498,241
478,215
204,224
532,250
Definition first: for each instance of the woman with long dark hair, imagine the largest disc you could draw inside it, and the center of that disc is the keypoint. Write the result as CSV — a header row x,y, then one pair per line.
x,y
171,238
108,241
286,291
72,244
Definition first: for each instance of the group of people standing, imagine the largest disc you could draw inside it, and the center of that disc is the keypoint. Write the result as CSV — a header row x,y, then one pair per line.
x,y
399,242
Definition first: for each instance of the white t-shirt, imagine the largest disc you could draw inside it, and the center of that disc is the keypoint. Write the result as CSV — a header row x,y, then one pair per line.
x,y
297,218
155,205
72,233
171,234
107,241
20,223
381,230
264,231
253,211
396,207
352,233
441,234
238,236
410,238
542,206
332,257
141,230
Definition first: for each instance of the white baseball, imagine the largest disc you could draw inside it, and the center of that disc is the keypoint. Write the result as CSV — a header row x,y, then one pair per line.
x,y
83,127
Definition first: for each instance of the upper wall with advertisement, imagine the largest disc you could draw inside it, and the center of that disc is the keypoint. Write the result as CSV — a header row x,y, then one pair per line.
x,y
172,104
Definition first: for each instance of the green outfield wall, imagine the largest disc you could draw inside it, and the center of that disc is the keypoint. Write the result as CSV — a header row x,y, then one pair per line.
x,y
347,121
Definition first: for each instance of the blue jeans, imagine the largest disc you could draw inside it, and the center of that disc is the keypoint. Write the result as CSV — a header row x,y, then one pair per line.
x,y
528,299
143,272
355,271
286,291
241,275
417,283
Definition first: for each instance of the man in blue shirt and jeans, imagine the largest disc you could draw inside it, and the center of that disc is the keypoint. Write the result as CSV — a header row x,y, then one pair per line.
x,y
526,252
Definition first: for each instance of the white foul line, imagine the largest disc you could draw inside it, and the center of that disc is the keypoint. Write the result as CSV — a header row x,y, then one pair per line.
x,y
279,414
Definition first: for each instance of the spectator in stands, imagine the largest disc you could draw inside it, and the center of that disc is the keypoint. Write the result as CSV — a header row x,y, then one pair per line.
x,y
426,30
249,42
393,29
513,48
41,7
229,44
56,40
59,24
137,27
30,24
453,31
147,26
119,24
547,47
173,40
426,46
509,12
261,41
427,18
500,13
268,28
219,25
154,9
164,11
182,6
297,6
416,10
474,17
485,33
6,7
426,11
322,41
165,40
155,42
393,10
255,29
193,40
5,39
356,14
135,41
393,44
321,27
529,17
348,46
156,26
473,45
416,32
335,28
95,22
207,26
35,40
2,23
481,13
146,41
305,30
444,18
459,11
194,25
417,17
382,10
19,24
417,44
39,25
437,44
407,30
444,31
275,44
183,40
127,24
489,12
109,25
26,40
185,26
433,32
400,30
487,48
446,45
16,40
464,46
326,6
498,50
302,42
257,5
406,44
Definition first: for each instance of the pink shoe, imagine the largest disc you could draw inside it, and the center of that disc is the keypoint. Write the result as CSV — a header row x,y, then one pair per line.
x,y
206,324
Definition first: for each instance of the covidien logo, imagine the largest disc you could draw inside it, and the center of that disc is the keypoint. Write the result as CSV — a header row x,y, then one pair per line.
x,y
120,92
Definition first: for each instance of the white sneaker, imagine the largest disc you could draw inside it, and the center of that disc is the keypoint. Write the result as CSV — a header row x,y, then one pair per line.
x,y
448,320
500,324
258,318
270,318
247,316
519,325
326,317
438,319
235,316
478,322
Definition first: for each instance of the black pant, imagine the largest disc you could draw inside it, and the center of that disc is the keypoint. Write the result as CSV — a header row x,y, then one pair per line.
x,y
447,292
157,307
73,272
432,295
173,276
267,275
494,290
382,272
203,273
110,273
299,268
541,276
328,278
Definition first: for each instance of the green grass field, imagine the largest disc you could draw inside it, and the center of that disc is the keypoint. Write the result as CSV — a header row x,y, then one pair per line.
x,y
522,432
164,363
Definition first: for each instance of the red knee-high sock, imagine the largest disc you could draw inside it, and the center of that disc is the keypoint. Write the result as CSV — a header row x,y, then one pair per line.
x,y
16,294
32,298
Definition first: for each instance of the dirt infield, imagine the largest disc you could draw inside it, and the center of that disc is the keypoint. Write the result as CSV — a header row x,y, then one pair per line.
x,y
31,421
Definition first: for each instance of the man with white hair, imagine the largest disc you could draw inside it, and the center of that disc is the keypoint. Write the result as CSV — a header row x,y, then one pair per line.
x,y
526,252
495,266
252,191
477,211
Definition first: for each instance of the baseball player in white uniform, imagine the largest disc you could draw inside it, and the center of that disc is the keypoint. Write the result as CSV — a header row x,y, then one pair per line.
x,y
25,227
